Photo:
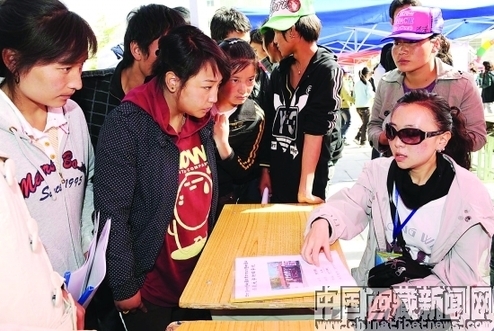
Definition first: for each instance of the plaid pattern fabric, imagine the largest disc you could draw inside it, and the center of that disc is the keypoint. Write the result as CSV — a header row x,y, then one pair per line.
x,y
99,95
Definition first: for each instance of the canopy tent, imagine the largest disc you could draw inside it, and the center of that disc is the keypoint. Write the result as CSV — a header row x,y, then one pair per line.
x,y
359,25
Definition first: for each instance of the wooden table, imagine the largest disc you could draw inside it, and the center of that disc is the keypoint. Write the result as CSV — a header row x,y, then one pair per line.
x,y
260,326
247,230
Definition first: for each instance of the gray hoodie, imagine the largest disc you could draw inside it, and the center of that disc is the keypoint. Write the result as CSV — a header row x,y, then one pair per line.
x,y
62,208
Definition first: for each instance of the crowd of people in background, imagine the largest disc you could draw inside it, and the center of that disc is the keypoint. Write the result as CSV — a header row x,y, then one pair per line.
x,y
183,123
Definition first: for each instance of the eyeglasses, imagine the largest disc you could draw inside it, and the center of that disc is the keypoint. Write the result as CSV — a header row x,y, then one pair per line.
x,y
409,136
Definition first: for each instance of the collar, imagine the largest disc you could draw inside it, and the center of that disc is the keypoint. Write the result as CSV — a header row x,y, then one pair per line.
x,y
55,119
116,82
322,55
215,111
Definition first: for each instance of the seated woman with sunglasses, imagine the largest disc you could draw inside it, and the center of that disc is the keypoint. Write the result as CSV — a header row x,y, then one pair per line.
x,y
416,48
444,212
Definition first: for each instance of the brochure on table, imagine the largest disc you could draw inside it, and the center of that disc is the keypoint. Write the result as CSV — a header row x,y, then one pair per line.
x,y
269,277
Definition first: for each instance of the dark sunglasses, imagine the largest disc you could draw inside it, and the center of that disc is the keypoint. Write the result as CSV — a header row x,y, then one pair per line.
x,y
409,136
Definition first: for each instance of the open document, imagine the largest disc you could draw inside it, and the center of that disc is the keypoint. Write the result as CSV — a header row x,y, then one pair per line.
x,y
267,277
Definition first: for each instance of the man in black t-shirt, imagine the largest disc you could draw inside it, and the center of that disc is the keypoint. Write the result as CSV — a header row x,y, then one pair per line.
x,y
302,107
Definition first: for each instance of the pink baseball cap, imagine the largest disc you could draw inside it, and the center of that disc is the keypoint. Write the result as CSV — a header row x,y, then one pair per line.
x,y
417,23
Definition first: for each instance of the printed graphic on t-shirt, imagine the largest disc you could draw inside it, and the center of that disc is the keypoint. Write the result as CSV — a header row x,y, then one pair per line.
x,y
419,243
31,182
422,230
285,126
188,229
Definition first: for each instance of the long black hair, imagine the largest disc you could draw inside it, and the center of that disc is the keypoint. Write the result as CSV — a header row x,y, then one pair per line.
x,y
363,75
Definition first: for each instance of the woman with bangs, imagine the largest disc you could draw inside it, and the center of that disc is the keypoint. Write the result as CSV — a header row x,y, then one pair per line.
x,y
156,179
422,200
417,53
238,128
43,47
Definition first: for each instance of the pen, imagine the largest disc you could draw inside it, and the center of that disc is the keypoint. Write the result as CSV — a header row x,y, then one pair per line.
x,y
66,276
85,295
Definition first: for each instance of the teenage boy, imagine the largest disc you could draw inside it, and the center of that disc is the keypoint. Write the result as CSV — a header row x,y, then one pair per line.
x,y
102,90
302,104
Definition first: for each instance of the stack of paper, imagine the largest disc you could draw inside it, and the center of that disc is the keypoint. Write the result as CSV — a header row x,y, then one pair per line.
x,y
83,282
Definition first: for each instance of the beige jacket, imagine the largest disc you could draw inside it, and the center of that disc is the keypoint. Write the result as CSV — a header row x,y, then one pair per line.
x,y
30,289
467,225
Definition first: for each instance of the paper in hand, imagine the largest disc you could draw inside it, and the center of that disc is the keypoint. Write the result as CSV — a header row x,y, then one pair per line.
x,y
265,196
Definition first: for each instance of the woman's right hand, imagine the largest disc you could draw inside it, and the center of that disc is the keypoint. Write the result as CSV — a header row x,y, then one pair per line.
x,y
131,304
317,240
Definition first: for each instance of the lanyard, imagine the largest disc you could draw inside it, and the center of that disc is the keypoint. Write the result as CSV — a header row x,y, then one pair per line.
x,y
397,227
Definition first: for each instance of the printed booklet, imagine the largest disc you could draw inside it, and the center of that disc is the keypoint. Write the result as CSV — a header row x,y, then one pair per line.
x,y
286,276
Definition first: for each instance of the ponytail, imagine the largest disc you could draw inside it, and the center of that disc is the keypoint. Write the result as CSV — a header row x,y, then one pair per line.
x,y
444,53
362,74
460,145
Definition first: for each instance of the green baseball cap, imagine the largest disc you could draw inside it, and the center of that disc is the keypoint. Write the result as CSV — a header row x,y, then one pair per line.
x,y
285,13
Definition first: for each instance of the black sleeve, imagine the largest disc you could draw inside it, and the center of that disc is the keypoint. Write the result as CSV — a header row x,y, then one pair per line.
x,y
245,156
116,159
268,106
320,111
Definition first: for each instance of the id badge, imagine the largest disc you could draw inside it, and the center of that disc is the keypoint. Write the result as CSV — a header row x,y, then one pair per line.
x,y
382,257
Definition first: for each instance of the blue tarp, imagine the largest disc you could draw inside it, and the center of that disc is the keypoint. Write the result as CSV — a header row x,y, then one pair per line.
x,y
358,25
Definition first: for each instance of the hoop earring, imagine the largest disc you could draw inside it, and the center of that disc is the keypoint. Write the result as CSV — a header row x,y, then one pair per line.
x,y
17,77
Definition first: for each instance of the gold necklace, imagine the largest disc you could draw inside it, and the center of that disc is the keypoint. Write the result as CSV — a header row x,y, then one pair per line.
x,y
298,68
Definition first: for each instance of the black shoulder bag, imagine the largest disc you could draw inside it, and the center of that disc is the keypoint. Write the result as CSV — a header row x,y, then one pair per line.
x,y
400,269
397,270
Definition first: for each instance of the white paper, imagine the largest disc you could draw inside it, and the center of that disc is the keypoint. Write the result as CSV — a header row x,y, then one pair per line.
x,y
265,196
93,271
273,276
98,269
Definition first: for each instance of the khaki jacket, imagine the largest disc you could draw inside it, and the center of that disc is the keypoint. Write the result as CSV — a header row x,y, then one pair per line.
x,y
458,87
